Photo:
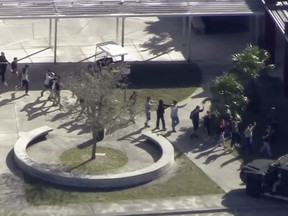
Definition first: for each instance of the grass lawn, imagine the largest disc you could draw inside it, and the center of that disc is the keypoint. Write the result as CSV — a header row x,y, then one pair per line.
x,y
168,81
80,160
184,179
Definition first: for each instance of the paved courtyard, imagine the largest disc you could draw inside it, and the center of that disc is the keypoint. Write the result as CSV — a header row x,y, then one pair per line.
x,y
146,39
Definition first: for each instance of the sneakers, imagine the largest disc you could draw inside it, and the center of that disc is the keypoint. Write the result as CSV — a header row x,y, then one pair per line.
x,y
219,145
146,125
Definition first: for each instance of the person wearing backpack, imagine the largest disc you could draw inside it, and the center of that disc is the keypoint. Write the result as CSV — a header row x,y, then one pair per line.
x,y
194,116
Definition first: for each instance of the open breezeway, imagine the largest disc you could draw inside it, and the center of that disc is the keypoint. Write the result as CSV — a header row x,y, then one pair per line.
x,y
56,10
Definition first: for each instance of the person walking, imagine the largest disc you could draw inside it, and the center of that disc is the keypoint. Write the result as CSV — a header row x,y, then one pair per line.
x,y
207,122
24,80
272,121
132,106
55,91
160,114
14,66
266,138
174,114
3,67
221,132
195,117
148,109
235,135
49,76
248,133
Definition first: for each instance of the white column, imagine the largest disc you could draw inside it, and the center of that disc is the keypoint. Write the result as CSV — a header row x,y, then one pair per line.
x,y
55,41
117,29
189,40
123,34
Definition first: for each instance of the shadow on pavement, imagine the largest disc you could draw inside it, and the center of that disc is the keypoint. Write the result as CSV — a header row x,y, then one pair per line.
x,y
152,150
11,164
237,199
13,98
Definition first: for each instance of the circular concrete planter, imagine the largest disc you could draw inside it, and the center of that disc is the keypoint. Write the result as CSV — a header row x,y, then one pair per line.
x,y
60,177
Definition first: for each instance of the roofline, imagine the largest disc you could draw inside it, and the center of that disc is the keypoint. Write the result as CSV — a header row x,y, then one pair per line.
x,y
258,13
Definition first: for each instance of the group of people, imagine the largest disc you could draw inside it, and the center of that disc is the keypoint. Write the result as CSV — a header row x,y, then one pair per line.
x,y
22,75
227,126
51,80
161,106
52,85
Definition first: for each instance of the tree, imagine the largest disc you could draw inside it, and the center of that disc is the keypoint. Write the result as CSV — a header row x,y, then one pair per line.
x,y
249,66
226,90
250,62
98,99
238,87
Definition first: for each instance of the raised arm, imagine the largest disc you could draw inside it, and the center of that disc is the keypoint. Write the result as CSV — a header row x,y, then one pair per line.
x,y
181,106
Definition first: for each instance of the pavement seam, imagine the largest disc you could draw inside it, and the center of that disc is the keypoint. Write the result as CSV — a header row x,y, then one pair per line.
x,y
17,120
191,211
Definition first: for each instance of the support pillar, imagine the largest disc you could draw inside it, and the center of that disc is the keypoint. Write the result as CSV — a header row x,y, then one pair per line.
x,y
189,39
50,32
123,34
270,37
255,30
55,41
184,28
117,29
285,69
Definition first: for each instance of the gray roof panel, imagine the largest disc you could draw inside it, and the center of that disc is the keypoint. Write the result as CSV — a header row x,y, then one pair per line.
x,y
21,9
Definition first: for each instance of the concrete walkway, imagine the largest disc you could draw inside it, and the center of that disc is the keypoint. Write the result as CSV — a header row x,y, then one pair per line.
x,y
20,114
25,113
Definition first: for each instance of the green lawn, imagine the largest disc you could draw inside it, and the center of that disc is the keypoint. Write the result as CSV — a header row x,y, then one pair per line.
x,y
79,160
170,81
185,179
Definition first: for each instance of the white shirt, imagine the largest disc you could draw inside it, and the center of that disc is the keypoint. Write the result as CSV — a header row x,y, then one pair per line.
x,y
248,132
48,78
174,111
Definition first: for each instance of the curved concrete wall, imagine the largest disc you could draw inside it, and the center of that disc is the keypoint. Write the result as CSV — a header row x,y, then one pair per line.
x,y
93,181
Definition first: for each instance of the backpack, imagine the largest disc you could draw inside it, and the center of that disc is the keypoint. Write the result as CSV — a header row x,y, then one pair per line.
x,y
191,114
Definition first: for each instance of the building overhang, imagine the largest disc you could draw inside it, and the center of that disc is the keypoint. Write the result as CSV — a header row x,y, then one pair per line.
x,y
39,9
279,11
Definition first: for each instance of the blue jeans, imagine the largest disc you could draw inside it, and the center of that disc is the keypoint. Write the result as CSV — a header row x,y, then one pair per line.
x,y
175,121
248,144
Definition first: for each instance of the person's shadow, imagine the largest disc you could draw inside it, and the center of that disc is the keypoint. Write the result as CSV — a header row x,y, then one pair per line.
x,y
37,108
13,98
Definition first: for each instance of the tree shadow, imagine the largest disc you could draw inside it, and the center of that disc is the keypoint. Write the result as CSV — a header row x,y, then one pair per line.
x,y
70,169
85,144
165,35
